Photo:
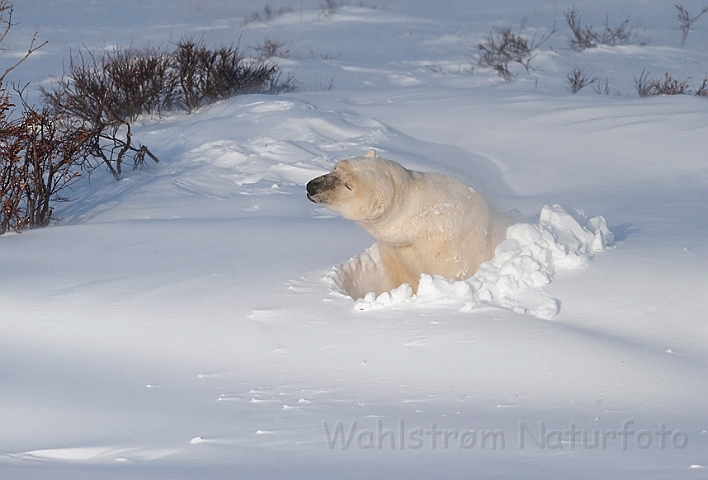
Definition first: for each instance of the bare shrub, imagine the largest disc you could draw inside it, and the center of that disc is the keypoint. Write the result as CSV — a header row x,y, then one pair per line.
x,y
440,70
585,36
649,87
271,49
107,138
577,79
670,86
123,84
104,93
268,14
605,88
322,86
86,119
39,157
502,47
120,84
643,84
206,76
278,84
686,21
702,91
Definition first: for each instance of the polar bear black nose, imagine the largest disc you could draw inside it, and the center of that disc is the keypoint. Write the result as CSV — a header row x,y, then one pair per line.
x,y
315,186
321,184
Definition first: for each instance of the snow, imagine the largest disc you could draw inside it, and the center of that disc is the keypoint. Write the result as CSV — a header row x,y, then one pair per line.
x,y
188,321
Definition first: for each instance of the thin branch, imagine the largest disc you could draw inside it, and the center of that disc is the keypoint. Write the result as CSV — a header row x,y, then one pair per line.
x,y
30,51
8,24
124,149
686,21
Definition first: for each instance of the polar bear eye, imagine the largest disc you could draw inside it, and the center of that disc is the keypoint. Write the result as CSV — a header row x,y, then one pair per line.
x,y
347,186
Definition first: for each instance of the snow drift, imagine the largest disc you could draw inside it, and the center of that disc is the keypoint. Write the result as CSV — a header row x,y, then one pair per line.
x,y
514,279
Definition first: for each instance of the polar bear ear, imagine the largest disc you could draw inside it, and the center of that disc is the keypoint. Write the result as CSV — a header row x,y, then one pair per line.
x,y
371,154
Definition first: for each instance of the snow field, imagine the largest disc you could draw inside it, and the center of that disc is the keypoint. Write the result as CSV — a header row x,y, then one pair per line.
x,y
176,324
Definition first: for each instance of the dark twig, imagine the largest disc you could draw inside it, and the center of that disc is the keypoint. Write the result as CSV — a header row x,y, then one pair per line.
x,y
686,21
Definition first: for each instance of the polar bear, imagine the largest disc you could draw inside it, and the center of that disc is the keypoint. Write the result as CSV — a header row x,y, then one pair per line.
x,y
422,222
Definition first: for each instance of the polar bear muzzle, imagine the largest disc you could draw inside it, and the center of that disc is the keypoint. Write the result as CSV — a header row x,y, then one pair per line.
x,y
317,187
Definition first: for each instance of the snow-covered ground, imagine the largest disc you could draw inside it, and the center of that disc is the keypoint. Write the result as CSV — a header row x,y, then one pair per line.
x,y
181,323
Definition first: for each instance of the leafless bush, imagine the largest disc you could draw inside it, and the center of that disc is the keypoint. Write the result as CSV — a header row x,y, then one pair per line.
x,y
649,87
107,139
702,91
502,47
605,88
671,86
577,80
86,119
120,84
686,21
271,49
104,93
643,84
39,157
268,14
322,86
585,36
278,84
206,76
440,70
123,84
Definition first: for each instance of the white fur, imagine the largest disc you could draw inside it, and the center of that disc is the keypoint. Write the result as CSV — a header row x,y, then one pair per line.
x,y
422,222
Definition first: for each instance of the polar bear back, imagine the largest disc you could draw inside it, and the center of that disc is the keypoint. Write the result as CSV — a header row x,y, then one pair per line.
x,y
438,226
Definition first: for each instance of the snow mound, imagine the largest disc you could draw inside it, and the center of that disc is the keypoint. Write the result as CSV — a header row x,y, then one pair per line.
x,y
514,279
286,142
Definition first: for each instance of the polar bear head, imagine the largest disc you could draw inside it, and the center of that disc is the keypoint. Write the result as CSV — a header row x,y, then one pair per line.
x,y
360,189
